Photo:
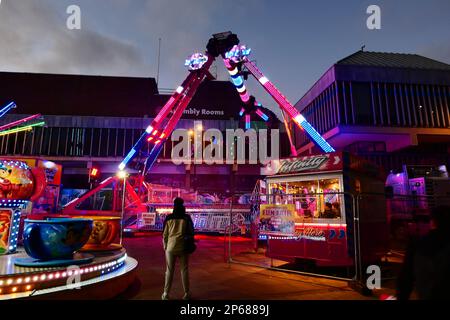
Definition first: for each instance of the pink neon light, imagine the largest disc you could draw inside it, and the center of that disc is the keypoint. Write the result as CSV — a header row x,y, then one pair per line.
x,y
164,110
18,122
227,63
333,225
245,97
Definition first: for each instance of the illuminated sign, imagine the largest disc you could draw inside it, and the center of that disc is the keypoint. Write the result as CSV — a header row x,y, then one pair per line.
x,y
310,234
288,166
238,53
324,162
196,61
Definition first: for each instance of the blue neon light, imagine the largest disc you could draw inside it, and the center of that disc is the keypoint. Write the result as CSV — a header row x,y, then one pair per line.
x,y
237,53
316,137
238,81
7,108
264,116
127,158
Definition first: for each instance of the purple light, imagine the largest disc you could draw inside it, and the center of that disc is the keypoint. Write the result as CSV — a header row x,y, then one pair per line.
x,y
238,53
196,61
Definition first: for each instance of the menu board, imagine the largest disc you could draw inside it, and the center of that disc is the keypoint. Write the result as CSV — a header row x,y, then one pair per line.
x,y
277,219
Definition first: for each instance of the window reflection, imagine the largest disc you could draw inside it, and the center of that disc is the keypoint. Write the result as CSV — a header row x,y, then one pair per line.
x,y
314,199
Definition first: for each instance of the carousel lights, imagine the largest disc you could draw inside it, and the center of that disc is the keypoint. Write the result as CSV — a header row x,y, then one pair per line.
x,y
46,276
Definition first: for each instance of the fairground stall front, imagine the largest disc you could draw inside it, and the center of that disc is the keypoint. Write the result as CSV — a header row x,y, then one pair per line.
x,y
323,209
60,253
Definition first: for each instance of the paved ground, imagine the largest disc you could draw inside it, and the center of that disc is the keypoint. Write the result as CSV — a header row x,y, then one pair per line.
x,y
214,279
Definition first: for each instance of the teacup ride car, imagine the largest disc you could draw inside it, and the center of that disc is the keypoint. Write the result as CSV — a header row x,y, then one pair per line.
x,y
55,242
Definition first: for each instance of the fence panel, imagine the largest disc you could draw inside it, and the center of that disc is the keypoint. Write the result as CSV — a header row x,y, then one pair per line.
x,y
299,233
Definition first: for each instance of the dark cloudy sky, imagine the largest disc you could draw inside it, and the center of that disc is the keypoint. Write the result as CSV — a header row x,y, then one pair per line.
x,y
293,42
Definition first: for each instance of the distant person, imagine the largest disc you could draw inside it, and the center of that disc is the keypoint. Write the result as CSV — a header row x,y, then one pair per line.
x,y
177,228
328,212
427,262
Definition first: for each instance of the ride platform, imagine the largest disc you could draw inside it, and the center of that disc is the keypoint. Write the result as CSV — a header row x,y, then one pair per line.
x,y
106,276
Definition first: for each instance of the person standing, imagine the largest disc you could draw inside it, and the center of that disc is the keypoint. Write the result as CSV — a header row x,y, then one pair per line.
x,y
427,262
177,231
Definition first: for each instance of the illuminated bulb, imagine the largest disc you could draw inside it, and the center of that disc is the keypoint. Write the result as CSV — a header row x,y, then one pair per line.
x,y
57,275
9,281
64,274
299,119
263,80
122,174
149,129
28,287
43,277
14,289
19,281
35,278
180,89
1,282
50,276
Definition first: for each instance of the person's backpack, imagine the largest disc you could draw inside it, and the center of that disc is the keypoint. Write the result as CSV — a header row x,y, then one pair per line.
x,y
189,241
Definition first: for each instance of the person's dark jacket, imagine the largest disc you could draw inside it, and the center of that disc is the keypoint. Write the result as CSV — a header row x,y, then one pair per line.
x,y
177,227
426,268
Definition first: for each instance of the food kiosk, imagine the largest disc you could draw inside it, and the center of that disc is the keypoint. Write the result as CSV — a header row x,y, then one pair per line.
x,y
308,210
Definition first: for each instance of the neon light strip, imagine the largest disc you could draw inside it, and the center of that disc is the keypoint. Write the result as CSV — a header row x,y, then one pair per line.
x,y
334,225
289,108
180,102
127,159
19,122
262,115
162,115
21,129
247,121
8,108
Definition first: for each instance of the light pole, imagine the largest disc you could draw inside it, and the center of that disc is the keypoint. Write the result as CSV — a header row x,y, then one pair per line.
x,y
122,175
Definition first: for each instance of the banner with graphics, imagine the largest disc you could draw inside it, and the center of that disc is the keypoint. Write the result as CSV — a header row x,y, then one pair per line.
x,y
277,219
53,172
5,223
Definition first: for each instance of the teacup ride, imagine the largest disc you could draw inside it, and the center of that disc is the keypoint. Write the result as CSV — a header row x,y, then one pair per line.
x,y
55,242
52,253
105,232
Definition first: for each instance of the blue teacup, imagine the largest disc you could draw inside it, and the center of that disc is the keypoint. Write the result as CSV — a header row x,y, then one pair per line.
x,y
56,238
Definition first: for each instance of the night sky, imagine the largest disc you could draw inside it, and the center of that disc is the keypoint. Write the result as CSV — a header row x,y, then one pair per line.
x,y
293,42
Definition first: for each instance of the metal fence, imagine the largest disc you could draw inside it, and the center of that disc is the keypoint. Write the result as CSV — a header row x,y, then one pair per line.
x,y
378,229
